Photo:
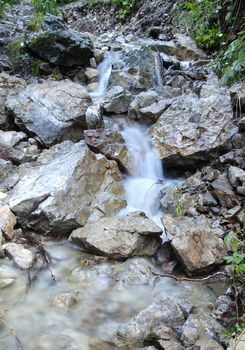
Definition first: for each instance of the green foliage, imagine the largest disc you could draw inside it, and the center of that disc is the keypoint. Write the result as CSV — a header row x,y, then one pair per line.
x,y
230,64
124,7
3,3
233,332
35,22
212,25
45,6
236,245
17,53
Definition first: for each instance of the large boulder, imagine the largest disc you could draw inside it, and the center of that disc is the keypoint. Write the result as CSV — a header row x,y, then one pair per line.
x,y
8,85
198,246
53,110
119,238
67,186
134,70
60,45
111,144
193,128
162,312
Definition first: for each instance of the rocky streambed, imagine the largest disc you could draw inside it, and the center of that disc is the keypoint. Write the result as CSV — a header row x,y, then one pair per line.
x,y
122,169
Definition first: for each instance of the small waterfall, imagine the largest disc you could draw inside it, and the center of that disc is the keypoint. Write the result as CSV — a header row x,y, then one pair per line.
x,y
104,69
143,189
159,71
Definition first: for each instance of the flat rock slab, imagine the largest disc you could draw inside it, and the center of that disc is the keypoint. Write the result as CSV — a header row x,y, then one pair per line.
x,y
67,186
52,110
199,246
119,238
193,128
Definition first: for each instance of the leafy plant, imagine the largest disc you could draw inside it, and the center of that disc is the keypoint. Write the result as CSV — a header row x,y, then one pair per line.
x,y
124,7
45,6
236,244
230,64
3,3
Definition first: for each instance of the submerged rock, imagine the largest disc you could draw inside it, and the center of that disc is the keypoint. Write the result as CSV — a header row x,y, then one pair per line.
x,y
22,257
53,110
197,245
66,187
193,129
119,238
60,45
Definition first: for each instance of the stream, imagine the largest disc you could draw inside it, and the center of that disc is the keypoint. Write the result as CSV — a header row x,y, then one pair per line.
x,y
90,296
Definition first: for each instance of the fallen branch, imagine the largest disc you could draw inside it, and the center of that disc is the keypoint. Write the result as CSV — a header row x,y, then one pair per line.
x,y
191,279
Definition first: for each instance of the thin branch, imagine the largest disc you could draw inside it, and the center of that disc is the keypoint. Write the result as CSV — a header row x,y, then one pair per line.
x,y
191,279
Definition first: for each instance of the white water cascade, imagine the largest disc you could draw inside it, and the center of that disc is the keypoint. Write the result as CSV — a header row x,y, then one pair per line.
x,y
104,69
143,188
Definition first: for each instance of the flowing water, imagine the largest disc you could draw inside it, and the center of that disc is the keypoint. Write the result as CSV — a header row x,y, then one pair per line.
x,y
90,296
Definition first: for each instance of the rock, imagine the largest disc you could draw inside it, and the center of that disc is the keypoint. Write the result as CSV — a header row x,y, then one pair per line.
x,y
64,300
199,326
16,147
111,144
208,344
236,176
235,157
223,191
195,242
8,85
8,176
144,99
242,124
192,129
170,345
91,73
135,271
225,311
119,238
151,113
54,199
183,48
53,110
21,256
94,118
163,311
7,276
237,93
7,221
209,200
134,70
117,100
60,45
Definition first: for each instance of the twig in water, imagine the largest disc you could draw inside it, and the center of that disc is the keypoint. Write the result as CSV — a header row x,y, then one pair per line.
x,y
190,279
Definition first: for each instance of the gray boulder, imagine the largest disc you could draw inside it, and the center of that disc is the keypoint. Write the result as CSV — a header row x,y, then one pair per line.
x,y
193,129
117,100
8,85
119,238
198,246
60,45
163,311
66,187
53,110
236,176
134,70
